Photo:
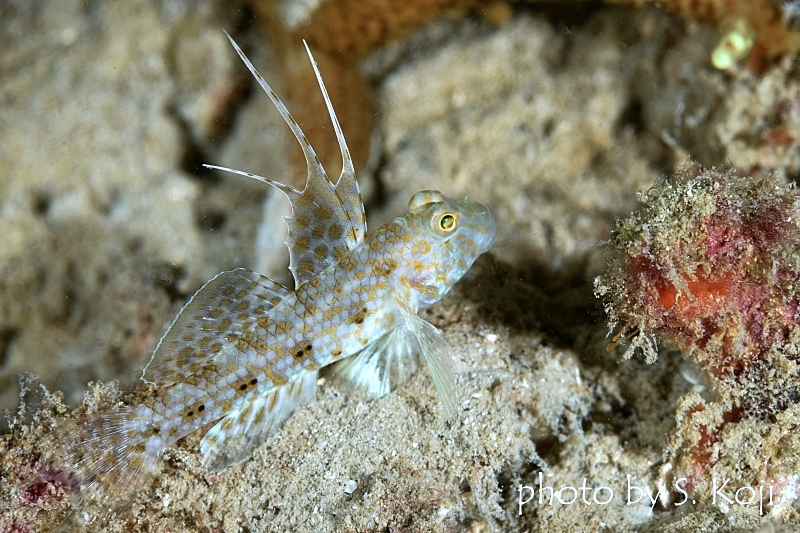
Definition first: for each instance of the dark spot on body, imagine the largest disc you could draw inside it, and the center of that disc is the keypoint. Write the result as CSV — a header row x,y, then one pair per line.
x,y
302,353
359,317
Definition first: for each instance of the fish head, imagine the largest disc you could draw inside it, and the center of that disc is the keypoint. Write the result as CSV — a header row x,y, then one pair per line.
x,y
451,234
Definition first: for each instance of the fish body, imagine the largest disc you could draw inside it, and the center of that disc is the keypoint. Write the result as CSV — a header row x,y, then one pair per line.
x,y
244,352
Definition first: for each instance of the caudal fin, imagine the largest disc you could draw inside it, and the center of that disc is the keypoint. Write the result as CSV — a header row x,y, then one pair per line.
x,y
98,462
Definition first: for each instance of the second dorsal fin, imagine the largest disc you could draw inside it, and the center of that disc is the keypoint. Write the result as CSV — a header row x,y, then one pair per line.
x,y
221,319
327,220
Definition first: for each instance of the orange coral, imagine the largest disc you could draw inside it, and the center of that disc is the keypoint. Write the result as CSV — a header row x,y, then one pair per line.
x,y
701,289
715,272
350,28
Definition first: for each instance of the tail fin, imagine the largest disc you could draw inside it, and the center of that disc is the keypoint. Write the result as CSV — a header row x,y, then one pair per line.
x,y
99,460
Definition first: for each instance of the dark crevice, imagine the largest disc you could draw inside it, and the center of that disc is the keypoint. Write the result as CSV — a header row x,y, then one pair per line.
x,y
567,16
73,287
168,278
7,336
198,151
211,220
633,116
378,199
793,175
245,23
548,128
566,19
194,156
134,244
40,204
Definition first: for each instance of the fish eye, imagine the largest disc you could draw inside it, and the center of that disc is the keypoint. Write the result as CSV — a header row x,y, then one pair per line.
x,y
445,223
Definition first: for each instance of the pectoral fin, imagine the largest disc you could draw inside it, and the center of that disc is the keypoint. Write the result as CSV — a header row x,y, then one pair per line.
x,y
383,365
436,352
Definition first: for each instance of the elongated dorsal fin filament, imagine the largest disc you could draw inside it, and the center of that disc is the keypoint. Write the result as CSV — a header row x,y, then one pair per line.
x,y
347,186
311,157
327,220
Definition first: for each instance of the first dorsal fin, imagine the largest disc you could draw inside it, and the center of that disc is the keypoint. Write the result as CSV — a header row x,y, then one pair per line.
x,y
221,319
327,221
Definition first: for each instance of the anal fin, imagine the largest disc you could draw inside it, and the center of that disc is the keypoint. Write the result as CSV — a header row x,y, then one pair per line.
x,y
253,421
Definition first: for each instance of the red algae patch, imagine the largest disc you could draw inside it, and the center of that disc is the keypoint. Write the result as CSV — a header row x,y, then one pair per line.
x,y
710,265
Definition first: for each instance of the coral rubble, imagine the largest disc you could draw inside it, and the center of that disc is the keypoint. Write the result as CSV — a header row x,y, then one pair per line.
x,y
710,265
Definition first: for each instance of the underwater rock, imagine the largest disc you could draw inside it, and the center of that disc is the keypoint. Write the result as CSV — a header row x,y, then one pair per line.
x,y
710,265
